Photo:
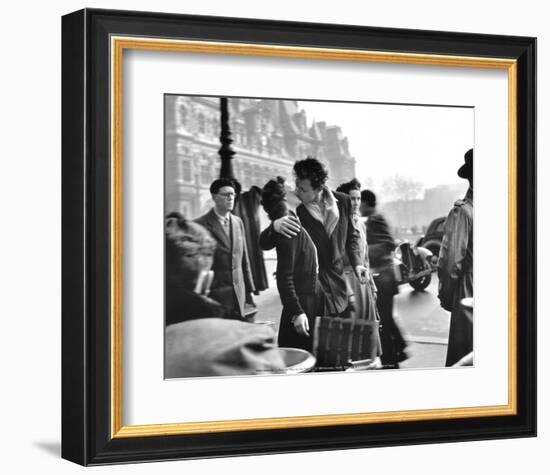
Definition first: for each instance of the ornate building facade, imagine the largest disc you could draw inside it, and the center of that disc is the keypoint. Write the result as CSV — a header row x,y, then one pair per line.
x,y
268,137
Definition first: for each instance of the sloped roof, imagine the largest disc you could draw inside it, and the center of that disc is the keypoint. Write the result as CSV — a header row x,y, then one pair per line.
x,y
315,132
287,110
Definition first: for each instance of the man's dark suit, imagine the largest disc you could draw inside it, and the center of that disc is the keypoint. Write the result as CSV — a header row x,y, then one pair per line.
x,y
232,277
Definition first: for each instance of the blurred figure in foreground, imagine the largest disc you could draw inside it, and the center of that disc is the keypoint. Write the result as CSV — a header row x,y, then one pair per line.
x,y
381,246
198,343
455,268
297,274
189,255
216,347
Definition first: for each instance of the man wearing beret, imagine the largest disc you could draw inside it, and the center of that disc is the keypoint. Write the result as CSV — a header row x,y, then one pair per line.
x,y
232,276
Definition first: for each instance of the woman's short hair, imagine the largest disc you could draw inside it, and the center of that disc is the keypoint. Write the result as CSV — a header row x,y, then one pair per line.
x,y
273,194
311,169
353,184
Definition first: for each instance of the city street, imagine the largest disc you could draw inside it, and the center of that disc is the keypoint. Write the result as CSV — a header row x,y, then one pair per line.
x,y
424,323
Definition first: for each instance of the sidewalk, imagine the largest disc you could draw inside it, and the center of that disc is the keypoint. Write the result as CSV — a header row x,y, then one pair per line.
x,y
425,355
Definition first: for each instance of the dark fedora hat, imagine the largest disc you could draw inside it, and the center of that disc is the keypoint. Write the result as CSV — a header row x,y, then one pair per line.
x,y
466,170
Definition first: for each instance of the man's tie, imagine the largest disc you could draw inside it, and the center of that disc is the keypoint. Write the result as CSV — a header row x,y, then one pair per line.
x,y
226,225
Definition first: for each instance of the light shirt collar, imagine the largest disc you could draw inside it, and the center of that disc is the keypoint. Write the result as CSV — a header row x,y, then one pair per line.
x,y
220,217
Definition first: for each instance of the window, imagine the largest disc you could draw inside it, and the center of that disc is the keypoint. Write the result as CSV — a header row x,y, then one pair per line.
x,y
183,116
201,124
186,171
182,148
205,175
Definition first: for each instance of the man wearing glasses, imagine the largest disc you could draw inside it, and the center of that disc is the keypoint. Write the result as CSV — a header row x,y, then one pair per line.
x,y
232,276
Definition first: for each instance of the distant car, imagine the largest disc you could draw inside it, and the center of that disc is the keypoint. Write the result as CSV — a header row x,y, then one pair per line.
x,y
433,237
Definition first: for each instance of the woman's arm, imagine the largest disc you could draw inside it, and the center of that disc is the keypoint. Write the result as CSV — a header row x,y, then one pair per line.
x,y
286,261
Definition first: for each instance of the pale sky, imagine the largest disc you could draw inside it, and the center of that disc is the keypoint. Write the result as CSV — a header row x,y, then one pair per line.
x,y
419,142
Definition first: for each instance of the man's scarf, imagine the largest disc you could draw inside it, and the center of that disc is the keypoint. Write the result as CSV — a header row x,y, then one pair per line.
x,y
325,210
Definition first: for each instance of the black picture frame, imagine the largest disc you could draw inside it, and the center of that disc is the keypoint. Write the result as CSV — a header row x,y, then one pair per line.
x,y
86,295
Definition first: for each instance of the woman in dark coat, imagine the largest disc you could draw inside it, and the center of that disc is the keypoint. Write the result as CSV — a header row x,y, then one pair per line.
x,y
297,274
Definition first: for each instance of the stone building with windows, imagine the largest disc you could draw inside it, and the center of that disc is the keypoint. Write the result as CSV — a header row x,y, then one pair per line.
x,y
268,137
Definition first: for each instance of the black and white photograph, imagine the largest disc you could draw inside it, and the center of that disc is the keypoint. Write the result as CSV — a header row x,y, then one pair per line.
x,y
313,236
255,237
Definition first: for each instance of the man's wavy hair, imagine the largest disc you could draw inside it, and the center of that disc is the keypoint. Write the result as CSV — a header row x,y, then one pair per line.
x,y
273,194
311,169
353,184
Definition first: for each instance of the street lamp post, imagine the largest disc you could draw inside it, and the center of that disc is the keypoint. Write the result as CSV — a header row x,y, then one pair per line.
x,y
226,151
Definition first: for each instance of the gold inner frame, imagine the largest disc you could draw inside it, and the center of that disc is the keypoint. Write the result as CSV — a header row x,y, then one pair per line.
x,y
118,45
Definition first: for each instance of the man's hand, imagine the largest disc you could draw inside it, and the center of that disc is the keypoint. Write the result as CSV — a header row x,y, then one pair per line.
x,y
301,324
361,273
351,302
288,226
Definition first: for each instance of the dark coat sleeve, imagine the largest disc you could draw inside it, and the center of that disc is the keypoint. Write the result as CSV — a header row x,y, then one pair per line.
x,y
379,238
286,263
247,273
267,238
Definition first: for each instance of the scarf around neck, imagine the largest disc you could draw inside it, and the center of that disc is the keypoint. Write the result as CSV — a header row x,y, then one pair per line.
x,y
325,210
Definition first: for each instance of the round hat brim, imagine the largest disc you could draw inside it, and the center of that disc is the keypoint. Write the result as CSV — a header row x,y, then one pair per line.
x,y
465,171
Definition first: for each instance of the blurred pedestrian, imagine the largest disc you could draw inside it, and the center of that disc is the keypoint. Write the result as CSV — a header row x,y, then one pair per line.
x,y
381,246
